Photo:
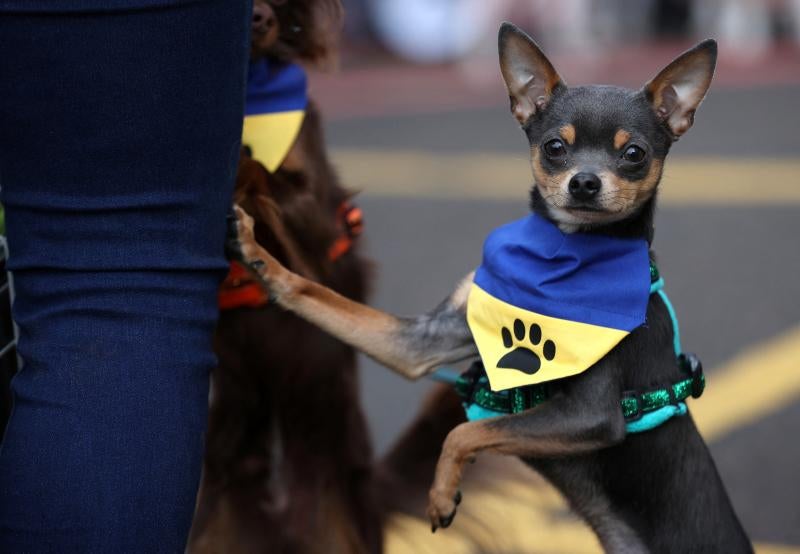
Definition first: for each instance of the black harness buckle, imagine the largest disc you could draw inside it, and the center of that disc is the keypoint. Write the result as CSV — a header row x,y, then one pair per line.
x,y
694,367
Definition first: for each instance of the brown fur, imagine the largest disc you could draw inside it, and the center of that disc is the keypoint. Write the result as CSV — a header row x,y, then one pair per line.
x,y
281,473
620,195
568,133
621,138
550,185
297,30
289,466
360,325
629,195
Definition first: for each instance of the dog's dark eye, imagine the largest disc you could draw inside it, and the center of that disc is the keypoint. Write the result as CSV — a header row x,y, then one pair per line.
x,y
633,154
555,149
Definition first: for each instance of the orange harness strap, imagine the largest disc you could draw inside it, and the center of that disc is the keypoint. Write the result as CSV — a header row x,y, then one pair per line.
x,y
241,290
351,224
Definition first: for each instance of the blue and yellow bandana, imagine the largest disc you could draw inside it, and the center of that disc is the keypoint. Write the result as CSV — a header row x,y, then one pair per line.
x,y
274,109
546,305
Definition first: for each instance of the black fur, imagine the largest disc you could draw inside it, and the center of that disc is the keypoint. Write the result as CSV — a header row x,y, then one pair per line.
x,y
661,485
656,491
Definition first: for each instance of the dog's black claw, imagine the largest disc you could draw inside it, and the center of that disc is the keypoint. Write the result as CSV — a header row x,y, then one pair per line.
x,y
446,521
457,498
233,250
230,225
433,527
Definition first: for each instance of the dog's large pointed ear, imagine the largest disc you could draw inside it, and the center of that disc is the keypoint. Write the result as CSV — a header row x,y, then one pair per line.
x,y
530,77
677,91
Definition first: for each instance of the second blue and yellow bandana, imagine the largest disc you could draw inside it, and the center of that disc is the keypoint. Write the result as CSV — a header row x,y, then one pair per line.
x,y
274,110
546,305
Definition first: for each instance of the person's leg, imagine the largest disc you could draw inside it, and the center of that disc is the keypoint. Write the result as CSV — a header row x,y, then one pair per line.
x,y
119,137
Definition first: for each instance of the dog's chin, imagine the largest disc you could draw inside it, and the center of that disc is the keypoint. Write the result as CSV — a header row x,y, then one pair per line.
x,y
571,219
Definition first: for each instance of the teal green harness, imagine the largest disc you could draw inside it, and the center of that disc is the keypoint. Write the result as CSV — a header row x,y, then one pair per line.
x,y
642,410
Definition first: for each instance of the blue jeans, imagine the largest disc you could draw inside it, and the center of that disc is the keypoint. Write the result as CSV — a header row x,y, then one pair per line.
x,y
119,141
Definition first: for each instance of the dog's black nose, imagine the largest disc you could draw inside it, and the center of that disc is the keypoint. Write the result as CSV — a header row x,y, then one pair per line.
x,y
584,186
263,17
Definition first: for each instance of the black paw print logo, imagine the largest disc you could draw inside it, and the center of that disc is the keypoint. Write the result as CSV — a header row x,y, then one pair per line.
x,y
521,358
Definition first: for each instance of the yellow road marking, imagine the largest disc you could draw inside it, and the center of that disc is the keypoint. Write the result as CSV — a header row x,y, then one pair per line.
x,y
511,514
519,512
522,515
761,380
506,176
764,548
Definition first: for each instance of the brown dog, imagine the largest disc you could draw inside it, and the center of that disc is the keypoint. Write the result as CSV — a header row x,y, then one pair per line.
x,y
280,471
288,462
289,465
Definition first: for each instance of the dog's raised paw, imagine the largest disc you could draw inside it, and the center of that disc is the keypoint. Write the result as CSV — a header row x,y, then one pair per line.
x,y
240,242
522,358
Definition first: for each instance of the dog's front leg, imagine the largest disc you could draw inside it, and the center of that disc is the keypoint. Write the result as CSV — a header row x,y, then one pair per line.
x,y
411,346
583,417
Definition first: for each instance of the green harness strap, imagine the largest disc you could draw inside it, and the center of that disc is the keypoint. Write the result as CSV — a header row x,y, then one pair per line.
x,y
642,410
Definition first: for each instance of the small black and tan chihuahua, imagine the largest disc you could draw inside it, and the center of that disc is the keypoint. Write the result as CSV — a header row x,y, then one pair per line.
x,y
597,154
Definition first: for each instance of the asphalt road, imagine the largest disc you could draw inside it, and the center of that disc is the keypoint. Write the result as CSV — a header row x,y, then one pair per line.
x,y
731,270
